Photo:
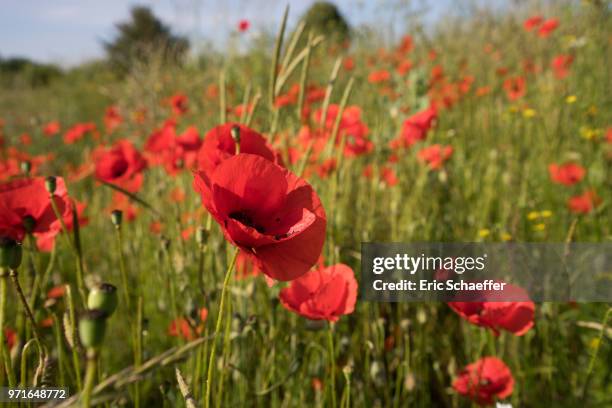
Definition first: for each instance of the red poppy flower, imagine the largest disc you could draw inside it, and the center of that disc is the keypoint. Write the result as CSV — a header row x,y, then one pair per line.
x,y
435,155
532,22
78,131
388,176
178,103
322,294
349,63
112,118
243,25
485,380
490,309
11,337
122,165
245,267
219,145
415,128
584,203
567,174
56,292
548,27
352,129
266,211
181,328
561,65
515,88
25,207
377,77
406,45
51,128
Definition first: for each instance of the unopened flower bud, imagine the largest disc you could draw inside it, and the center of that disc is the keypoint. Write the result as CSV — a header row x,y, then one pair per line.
x,y
50,184
92,327
117,218
103,297
10,253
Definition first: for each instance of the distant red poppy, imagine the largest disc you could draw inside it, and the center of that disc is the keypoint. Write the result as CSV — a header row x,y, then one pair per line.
x,y
388,176
349,63
25,207
268,212
490,309
376,77
322,294
515,88
243,25
561,65
532,22
122,165
181,328
51,128
567,174
435,155
548,27
404,67
415,128
56,292
584,203
78,131
406,45
485,380
178,103
11,337
112,118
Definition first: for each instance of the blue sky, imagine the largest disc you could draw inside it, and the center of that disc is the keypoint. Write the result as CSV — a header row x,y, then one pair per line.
x,y
71,31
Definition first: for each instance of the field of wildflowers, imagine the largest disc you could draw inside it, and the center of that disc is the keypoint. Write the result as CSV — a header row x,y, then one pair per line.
x,y
189,235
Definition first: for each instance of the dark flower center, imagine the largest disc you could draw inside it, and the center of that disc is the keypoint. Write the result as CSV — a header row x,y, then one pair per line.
x,y
243,218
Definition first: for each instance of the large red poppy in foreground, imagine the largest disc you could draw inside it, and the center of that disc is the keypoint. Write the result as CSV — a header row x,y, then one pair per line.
x,y
267,211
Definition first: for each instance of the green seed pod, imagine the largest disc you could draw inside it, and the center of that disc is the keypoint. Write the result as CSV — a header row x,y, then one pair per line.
x,y
29,223
50,184
10,253
92,327
117,217
103,297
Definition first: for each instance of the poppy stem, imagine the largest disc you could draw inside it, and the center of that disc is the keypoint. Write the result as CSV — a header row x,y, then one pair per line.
x,y
6,359
41,351
600,340
213,350
332,362
90,376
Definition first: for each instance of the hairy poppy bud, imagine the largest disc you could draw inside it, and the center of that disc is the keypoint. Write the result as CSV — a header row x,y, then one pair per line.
x,y
50,184
103,297
26,167
92,327
116,217
10,253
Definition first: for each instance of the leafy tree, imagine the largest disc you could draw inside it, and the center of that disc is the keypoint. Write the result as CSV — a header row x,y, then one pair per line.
x,y
141,38
325,18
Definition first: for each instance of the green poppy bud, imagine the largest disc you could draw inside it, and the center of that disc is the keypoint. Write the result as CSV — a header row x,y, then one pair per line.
x,y
235,131
117,217
50,184
10,253
92,327
103,297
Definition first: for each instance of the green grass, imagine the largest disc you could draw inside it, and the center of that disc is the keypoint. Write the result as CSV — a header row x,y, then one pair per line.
x,y
496,177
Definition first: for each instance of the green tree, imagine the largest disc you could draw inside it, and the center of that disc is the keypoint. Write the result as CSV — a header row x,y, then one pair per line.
x,y
142,38
325,18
